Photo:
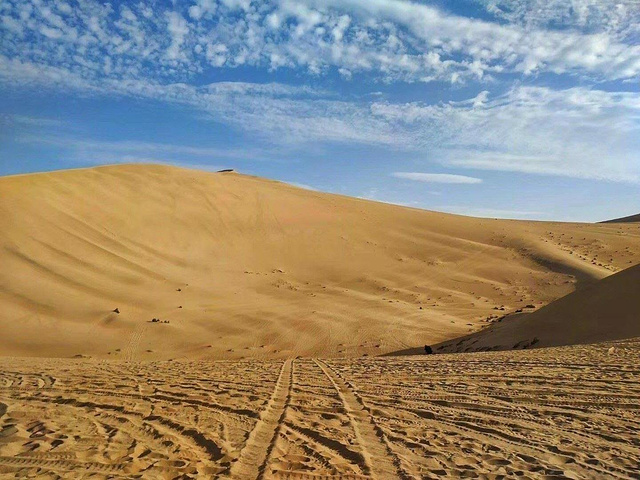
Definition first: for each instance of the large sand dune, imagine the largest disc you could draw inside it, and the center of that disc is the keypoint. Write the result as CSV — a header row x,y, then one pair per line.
x,y
246,267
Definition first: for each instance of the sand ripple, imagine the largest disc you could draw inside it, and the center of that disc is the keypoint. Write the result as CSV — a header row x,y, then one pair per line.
x,y
550,413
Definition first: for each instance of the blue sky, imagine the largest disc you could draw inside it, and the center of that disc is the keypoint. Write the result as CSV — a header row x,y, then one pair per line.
x,y
503,108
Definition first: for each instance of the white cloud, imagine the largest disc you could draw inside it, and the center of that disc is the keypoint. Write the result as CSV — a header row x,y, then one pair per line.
x,y
436,177
387,40
618,18
178,29
489,47
49,32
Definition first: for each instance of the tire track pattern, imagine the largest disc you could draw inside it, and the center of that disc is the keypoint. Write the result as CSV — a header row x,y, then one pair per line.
x,y
551,413
253,457
378,457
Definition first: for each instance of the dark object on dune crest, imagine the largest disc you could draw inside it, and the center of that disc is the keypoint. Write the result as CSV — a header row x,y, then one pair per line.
x,y
116,310
226,170
428,350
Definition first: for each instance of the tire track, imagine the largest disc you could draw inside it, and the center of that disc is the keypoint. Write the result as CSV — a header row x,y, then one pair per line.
x,y
333,449
379,459
254,456
62,465
134,342
154,425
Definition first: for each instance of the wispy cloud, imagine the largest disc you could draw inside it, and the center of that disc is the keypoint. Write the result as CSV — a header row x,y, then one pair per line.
x,y
619,19
82,150
436,177
15,119
576,132
475,211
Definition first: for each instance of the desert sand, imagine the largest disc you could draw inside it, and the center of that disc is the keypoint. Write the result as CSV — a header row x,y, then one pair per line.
x,y
563,412
606,310
217,325
237,267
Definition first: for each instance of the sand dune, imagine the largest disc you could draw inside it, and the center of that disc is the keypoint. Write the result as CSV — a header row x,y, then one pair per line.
x,y
245,267
606,310
630,218
569,412
139,263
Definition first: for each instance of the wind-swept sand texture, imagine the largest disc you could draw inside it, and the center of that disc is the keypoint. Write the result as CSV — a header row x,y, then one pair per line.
x,y
245,267
605,310
564,412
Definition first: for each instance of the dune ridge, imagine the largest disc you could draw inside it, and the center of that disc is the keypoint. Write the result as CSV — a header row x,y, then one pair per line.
x,y
628,219
237,266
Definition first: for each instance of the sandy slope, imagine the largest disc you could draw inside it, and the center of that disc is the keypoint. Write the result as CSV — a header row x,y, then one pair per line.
x,y
629,219
247,267
569,412
606,310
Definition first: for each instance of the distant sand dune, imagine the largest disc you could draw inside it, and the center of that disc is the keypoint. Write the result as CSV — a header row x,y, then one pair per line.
x,y
236,266
630,218
607,310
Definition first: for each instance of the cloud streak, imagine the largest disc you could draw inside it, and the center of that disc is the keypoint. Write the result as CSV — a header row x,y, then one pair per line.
x,y
437,178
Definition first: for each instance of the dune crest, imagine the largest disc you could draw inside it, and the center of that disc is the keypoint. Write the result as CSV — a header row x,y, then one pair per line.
x,y
234,266
628,219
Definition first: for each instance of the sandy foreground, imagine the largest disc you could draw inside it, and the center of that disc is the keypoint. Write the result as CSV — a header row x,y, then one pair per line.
x,y
563,412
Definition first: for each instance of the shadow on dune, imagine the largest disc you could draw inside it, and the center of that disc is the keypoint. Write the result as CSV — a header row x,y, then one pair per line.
x,y
606,310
